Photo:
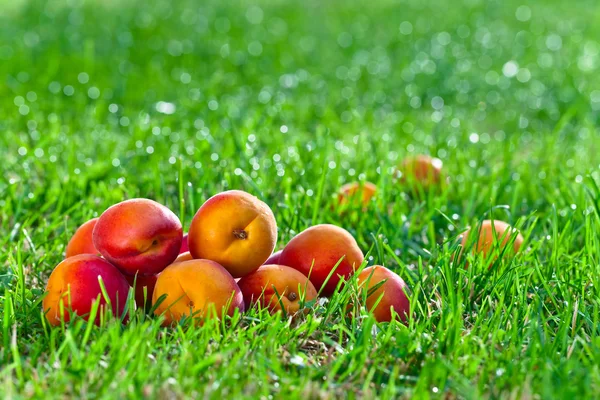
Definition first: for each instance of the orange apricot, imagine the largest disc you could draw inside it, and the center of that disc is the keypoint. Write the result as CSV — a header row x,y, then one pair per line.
x,y
492,236
390,296
277,287
81,242
138,236
356,193
74,286
235,229
199,289
421,171
316,251
187,256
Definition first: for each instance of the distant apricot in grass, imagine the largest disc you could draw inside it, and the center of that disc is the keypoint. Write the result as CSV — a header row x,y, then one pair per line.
x,y
491,236
421,172
386,293
360,193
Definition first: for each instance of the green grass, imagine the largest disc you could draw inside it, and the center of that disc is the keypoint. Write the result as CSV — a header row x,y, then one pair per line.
x,y
288,102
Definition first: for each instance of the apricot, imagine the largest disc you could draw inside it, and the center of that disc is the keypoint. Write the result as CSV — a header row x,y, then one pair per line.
x,y
81,242
273,258
421,171
74,286
187,256
138,236
197,288
143,283
274,286
316,251
393,293
356,193
184,244
235,229
486,243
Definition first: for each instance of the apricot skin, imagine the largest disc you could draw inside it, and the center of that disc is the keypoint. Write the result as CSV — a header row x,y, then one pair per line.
x,y
183,257
392,292
356,193
74,283
325,245
273,258
274,285
82,242
184,244
138,236
235,229
141,282
199,287
485,241
421,170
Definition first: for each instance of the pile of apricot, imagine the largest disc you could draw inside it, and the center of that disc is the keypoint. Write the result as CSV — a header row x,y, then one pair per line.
x,y
226,261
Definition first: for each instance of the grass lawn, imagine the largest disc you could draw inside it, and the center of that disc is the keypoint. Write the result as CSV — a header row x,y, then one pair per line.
x,y
176,101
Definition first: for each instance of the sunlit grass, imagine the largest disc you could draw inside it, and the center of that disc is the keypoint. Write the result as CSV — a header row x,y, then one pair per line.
x,y
176,101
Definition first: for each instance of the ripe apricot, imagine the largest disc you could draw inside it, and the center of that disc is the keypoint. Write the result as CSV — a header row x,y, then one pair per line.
x,y
138,236
81,242
421,172
393,293
486,243
74,286
198,289
235,229
276,286
356,193
316,251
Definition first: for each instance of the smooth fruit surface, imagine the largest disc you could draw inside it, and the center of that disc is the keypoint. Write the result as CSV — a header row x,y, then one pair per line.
x,y
187,256
74,286
235,229
273,258
491,236
393,293
184,244
138,236
82,241
277,287
356,193
198,288
316,251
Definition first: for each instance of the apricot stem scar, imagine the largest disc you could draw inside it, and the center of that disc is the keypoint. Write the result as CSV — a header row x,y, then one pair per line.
x,y
292,296
240,234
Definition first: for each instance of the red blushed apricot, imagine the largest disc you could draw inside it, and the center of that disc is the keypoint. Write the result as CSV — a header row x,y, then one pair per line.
x,y
235,229
138,236
316,251
198,288
393,293
273,258
81,242
274,286
356,193
74,286
142,283
184,244
421,171
486,243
